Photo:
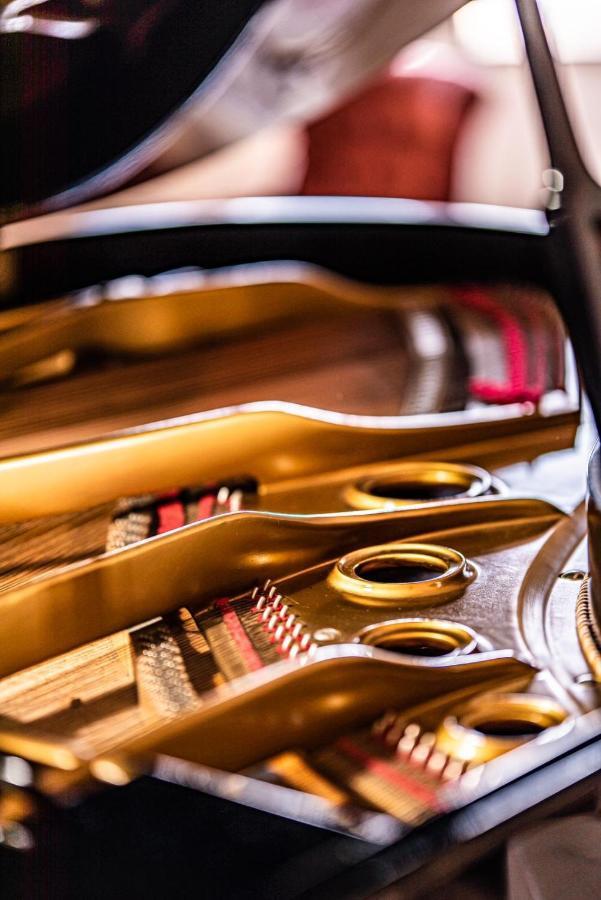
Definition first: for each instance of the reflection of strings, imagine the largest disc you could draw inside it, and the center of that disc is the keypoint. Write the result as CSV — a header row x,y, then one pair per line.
x,y
394,767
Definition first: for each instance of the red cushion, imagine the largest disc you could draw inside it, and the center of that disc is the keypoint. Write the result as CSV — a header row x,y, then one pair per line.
x,y
394,139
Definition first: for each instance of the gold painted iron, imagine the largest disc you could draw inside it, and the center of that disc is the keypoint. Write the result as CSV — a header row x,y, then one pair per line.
x,y
402,574
249,648
361,589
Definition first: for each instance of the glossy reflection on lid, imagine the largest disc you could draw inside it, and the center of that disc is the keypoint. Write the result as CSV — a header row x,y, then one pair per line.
x,y
83,85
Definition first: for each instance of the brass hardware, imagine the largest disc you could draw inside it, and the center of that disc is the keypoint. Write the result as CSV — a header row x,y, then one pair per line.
x,y
588,635
492,724
283,443
573,575
421,637
418,482
55,614
406,574
46,751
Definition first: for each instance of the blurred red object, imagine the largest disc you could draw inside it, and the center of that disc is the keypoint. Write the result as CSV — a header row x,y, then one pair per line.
x,y
395,138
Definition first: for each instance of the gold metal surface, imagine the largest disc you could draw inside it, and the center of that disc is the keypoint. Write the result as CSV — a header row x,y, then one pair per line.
x,y
412,482
357,521
285,628
310,705
228,555
307,703
91,716
282,443
469,734
355,575
152,318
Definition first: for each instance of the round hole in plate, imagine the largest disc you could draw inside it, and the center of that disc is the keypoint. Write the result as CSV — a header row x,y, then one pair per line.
x,y
420,637
396,574
418,482
394,571
491,724
511,728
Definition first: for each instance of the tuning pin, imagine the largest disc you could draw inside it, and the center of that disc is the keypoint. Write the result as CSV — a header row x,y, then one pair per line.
x,y
453,770
381,725
408,740
305,641
235,501
436,763
423,748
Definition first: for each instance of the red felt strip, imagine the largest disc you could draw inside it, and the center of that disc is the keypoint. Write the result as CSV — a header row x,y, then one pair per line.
x,y
170,515
235,628
516,389
206,506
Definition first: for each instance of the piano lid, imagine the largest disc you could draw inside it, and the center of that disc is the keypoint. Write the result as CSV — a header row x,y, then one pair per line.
x,y
90,90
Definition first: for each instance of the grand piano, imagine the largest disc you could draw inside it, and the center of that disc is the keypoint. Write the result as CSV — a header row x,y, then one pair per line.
x,y
299,595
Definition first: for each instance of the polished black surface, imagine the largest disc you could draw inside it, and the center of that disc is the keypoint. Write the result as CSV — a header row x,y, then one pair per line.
x,y
383,241
155,839
574,211
83,84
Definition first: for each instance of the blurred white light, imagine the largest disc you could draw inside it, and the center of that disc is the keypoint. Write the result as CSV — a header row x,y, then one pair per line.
x,y
488,31
576,29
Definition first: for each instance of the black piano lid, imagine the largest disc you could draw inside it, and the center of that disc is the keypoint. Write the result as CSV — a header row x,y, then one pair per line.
x,y
88,87
84,84
91,130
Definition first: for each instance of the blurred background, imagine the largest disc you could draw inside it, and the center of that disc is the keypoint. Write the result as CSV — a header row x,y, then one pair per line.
x,y
453,117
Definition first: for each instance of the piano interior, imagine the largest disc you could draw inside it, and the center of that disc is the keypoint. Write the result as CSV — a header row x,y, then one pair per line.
x,y
297,577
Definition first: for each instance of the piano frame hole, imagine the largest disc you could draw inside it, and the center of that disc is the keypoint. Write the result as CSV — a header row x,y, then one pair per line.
x,y
420,637
393,574
418,482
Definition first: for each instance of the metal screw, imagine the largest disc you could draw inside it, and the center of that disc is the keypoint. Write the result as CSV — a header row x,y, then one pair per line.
x,y
585,678
327,635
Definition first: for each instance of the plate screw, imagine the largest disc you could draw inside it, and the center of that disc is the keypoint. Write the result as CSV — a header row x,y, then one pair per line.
x,y
573,575
585,678
326,635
